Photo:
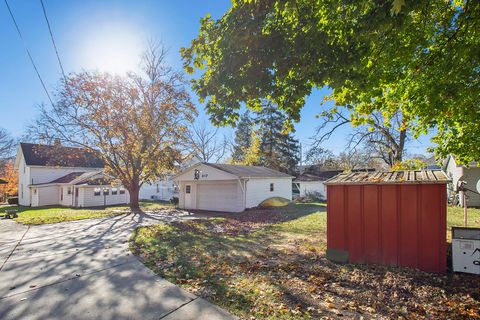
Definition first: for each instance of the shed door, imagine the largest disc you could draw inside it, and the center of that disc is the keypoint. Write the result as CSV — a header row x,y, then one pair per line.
x,y
218,197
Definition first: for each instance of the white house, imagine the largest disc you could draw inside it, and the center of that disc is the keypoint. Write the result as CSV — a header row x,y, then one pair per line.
x,y
310,182
230,188
66,176
164,189
470,174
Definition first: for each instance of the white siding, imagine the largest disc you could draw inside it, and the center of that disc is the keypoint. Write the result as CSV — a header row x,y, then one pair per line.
x,y
160,190
471,175
47,174
259,190
312,187
67,198
48,196
207,173
87,198
24,197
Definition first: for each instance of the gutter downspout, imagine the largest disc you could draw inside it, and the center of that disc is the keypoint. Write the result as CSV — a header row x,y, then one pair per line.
x,y
244,188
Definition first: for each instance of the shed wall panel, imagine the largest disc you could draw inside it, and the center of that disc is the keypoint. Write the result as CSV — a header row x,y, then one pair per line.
x,y
388,207
371,213
336,217
402,225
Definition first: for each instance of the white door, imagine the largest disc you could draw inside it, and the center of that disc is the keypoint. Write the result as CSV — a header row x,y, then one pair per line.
x,y
188,196
219,197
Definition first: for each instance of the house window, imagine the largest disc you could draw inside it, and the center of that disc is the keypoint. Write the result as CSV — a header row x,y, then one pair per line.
x,y
96,191
114,191
69,190
61,194
24,168
158,188
106,191
122,191
271,187
187,189
35,191
21,191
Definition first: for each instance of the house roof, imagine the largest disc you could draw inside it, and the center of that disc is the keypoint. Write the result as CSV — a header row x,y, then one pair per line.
x,y
59,156
81,178
317,176
391,177
248,171
67,178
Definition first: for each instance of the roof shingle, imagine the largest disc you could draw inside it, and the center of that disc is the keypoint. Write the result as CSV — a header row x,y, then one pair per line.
x,y
59,156
249,171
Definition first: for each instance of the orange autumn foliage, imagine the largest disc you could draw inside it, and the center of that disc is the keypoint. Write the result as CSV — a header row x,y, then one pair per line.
x,y
9,174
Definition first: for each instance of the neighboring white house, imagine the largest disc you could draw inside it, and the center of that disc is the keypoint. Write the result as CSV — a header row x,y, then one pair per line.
x,y
470,174
66,176
164,189
310,182
230,188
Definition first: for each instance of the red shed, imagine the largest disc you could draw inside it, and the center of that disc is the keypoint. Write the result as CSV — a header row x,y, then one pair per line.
x,y
391,218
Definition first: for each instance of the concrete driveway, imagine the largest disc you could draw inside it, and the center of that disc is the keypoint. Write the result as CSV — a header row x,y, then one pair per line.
x,y
84,270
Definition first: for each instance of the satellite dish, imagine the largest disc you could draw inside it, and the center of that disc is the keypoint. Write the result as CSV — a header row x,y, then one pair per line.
x,y
478,186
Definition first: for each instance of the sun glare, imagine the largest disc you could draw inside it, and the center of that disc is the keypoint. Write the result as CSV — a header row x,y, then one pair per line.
x,y
112,47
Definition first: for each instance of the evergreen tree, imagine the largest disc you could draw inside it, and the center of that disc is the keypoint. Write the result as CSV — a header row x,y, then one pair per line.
x,y
279,149
243,138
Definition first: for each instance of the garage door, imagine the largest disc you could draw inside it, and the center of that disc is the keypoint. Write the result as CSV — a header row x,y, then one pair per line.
x,y
218,197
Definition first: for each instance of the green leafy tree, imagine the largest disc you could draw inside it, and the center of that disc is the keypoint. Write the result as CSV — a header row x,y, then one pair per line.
x,y
421,57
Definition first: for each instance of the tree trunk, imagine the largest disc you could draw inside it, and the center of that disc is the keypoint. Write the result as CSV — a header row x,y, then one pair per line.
x,y
134,194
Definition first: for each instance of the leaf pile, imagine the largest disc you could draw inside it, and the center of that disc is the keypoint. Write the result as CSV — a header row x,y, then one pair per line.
x,y
259,270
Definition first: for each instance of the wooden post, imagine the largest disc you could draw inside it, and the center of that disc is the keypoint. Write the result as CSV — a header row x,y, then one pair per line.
x,y
464,209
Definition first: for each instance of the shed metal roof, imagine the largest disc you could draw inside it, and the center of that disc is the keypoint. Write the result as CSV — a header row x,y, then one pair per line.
x,y
391,177
249,171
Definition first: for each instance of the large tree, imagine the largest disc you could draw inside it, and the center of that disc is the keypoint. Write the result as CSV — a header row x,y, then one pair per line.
x,y
279,149
243,138
205,144
383,138
136,123
262,139
7,145
422,57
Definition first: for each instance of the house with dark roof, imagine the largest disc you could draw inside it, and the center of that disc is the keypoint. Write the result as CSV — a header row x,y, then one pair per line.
x,y
311,178
66,176
310,183
230,188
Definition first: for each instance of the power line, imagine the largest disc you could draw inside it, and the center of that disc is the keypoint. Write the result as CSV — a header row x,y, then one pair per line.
x,y
53,40
28,51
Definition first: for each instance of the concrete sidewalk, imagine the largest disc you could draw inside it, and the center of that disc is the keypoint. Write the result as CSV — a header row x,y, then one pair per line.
x,y
84,270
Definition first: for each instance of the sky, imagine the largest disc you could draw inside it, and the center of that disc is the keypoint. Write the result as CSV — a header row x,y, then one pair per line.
x,y
110,35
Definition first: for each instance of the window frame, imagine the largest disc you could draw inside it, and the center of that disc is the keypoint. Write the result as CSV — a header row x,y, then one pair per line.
x,y
272,187
97,193
188,189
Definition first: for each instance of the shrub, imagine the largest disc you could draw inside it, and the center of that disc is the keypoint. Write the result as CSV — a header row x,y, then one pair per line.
x,y
12,200
174,200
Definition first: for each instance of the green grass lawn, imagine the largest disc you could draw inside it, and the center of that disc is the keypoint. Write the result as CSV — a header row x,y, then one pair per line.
x,y
270,264
42,215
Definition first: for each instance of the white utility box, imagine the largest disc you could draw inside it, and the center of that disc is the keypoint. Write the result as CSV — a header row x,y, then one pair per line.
x,y
466,250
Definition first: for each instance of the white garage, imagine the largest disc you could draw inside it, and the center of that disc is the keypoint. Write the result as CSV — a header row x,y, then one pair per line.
x,y
230,188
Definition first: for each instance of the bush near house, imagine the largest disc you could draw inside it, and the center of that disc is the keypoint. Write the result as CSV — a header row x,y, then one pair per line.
x,y
270,264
